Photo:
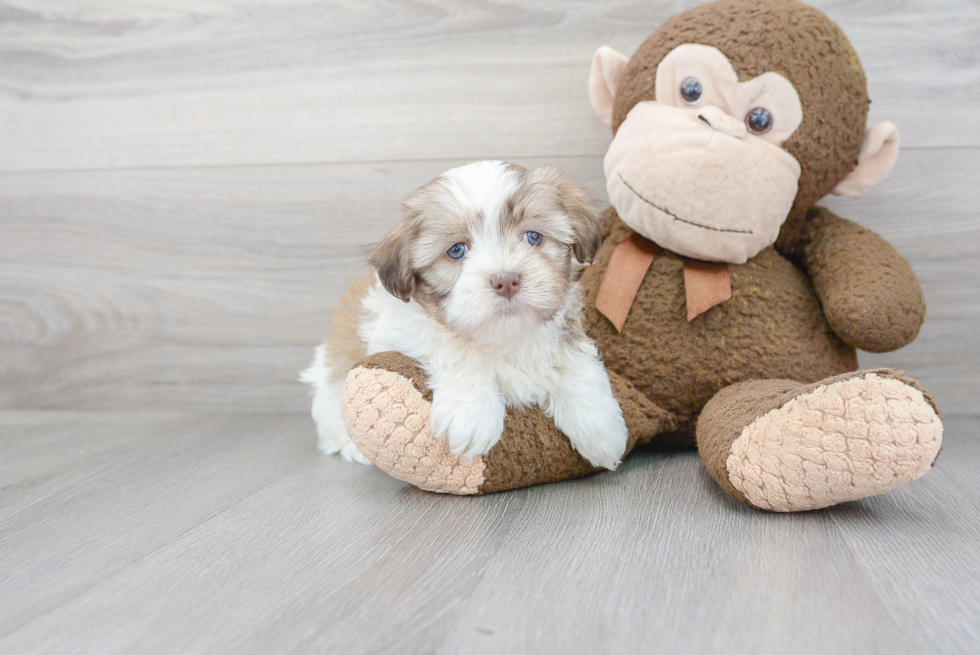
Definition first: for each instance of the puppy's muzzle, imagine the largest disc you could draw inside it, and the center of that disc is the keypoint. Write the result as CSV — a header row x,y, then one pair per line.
x,y
506,285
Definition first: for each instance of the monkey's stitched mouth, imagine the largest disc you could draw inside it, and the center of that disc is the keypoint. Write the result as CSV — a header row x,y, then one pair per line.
x,y
678,218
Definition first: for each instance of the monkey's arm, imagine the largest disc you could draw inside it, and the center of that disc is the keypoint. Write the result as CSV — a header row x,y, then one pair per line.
x,y
871,297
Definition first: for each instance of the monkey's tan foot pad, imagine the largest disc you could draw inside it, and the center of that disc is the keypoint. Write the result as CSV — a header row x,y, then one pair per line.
x,y
850,438
388,419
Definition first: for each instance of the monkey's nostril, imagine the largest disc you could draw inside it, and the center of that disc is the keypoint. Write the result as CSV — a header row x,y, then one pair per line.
x,y
720,121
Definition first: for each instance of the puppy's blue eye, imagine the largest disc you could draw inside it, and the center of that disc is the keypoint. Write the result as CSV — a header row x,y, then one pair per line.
x,y
533,238
458,251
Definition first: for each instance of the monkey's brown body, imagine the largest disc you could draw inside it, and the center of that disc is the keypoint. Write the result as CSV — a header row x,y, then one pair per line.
x,y
729,123
772,327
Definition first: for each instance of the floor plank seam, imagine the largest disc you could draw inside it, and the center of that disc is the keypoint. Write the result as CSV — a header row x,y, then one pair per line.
x,y
863,567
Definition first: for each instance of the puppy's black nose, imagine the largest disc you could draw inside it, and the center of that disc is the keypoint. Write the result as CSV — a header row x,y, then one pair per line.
x,y
506,284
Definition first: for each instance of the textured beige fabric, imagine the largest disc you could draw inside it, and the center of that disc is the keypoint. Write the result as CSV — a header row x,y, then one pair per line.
x,y
607,67
877,158
844,441
388,420
695,191
724,96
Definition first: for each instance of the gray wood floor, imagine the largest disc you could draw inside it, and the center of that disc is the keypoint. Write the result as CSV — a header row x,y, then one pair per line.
x,y
194,533
184,188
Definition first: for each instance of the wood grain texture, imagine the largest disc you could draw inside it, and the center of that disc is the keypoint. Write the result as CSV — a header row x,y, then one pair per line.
x,y
200,533
140,485
44,452
185,187
208,288
112,84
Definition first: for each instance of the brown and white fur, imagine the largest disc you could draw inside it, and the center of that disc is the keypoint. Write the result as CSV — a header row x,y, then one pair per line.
x,y
499,327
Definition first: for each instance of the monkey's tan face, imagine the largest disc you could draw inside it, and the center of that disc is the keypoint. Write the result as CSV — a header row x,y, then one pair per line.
x,y
700,171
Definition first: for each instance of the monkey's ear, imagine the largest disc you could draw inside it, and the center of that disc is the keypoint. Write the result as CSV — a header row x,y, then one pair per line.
x,y
878,154
393,259
607,67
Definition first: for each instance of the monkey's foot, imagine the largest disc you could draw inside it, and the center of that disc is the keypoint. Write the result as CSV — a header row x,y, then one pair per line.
x,y
388,419
386,407
843,439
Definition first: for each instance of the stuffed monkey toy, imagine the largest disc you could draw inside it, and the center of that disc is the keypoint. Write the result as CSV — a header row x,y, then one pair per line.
x,y
726,305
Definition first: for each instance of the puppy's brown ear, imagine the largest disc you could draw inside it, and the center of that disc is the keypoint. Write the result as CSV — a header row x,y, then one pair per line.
x,y
393,259
586,220
578,206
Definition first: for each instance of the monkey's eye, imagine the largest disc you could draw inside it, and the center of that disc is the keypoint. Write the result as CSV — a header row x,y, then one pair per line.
x,y
458,251
759,120
533,238
691,91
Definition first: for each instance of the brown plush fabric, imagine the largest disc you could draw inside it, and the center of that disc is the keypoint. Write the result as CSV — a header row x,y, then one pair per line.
x,y
531,451
787,37
870,295
609,221
772,327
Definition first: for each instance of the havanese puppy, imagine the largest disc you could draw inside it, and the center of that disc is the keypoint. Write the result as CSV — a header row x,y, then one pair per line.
x,y
479,284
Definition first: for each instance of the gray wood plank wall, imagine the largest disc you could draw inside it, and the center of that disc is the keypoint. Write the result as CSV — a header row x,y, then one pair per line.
x,y
184,187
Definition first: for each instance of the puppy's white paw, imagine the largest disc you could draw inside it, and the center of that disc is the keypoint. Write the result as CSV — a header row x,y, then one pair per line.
x,y
351,454
471,426
595,426
337,442
330,427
